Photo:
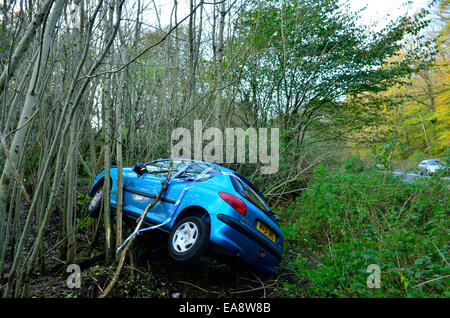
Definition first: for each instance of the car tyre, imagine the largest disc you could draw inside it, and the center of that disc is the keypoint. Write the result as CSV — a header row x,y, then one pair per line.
x,y
188,240
95,205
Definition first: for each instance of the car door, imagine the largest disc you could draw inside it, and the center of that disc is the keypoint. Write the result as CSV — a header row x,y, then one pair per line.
x,y
183,175
141,190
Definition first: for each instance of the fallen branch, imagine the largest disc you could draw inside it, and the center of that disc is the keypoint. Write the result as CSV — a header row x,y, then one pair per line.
x,y
202,289
431,280
440,253
127,246
83,264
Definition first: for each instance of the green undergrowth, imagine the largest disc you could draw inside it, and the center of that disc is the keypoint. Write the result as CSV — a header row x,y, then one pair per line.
x,y
348,220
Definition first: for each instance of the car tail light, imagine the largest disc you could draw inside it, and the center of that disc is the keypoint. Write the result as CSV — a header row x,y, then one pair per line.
x,y
235,202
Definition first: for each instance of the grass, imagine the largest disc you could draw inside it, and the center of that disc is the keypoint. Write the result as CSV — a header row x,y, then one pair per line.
x,y
350,219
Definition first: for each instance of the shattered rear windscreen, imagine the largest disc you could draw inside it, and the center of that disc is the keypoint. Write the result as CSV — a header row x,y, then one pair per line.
x,y
161,168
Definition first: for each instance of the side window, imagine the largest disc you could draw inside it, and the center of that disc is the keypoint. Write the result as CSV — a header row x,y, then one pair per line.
x,y
158,168
161,168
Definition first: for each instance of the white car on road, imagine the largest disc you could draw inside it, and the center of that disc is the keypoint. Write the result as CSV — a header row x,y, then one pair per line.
x,y
429,167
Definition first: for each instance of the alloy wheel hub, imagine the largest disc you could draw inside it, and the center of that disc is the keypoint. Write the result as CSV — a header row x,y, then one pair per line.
x,y
185,237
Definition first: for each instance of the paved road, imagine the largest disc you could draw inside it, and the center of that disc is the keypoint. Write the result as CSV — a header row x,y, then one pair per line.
x,y
408,177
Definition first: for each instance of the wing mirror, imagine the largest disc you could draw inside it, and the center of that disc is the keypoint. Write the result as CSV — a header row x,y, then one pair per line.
x,y
139,169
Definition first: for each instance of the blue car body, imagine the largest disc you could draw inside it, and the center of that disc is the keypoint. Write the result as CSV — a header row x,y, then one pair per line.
x,y
233,233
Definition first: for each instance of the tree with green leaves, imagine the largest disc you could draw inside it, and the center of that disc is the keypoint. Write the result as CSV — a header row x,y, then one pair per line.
x,y
309,57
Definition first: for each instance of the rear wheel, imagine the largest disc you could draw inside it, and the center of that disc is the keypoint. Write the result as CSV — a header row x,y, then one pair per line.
x,y
189,240
95,205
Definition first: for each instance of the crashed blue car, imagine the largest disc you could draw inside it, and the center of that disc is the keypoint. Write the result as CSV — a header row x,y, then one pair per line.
x,y
205,208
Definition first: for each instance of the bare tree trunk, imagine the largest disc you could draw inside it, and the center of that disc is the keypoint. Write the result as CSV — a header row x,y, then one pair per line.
x,y
108,133
24,43
59,132
121,83
29,105
56,179
423,126
107,165
30,102
219,77
71,187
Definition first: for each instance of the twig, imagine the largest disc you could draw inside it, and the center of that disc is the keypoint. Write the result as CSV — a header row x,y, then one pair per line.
x,y
439,253
253,289
134,59
134,269
431,280
202,289
275,282
262,284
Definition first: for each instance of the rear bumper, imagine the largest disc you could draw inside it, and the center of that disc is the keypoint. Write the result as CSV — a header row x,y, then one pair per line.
x,y
235,224
230,234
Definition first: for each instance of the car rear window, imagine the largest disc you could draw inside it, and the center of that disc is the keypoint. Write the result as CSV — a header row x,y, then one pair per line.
x,y
193,170
244,189
161,168
251,185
